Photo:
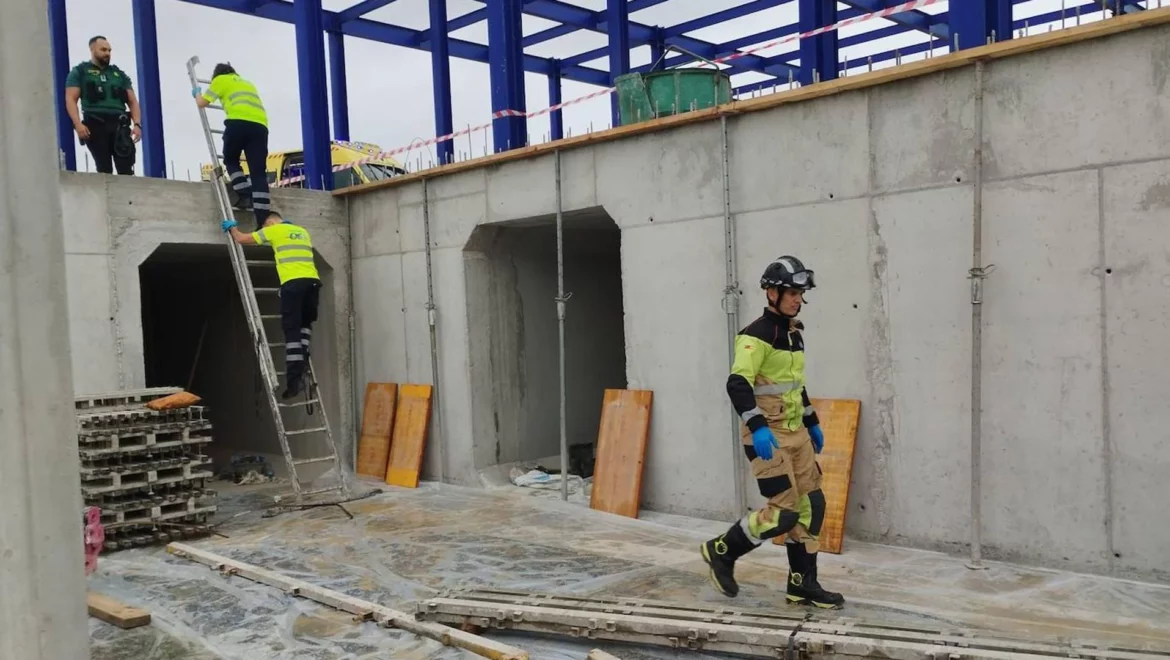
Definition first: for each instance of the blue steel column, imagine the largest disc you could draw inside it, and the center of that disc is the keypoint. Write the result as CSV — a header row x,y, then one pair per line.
x,y
556,120
505,61
617,20
148,90
818,54
59,39
339,89
314,99
441,81
658,50
973,22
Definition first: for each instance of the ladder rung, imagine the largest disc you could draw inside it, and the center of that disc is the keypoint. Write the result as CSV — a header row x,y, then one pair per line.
x,y
318,491
215,107
217,131
299,403
304,431
270,316
265,289
306,461
258,262
202,81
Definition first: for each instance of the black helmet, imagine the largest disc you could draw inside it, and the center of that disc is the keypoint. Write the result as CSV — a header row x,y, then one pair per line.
x,y
787,272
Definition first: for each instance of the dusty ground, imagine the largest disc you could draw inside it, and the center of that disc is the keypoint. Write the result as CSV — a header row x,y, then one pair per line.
x,y
405,545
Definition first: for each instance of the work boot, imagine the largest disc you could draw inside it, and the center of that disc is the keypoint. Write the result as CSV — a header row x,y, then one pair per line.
x,y
720,554
803,588
292,389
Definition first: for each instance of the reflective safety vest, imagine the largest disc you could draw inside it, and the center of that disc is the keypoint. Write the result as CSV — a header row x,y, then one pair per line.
x,y
293,249
767,379
240,98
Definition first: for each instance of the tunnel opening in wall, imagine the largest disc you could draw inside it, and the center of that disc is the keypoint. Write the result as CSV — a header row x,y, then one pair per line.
x,y
196,337
511,272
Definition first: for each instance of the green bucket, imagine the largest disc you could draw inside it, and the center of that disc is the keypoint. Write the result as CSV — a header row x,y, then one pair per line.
x,y
646,96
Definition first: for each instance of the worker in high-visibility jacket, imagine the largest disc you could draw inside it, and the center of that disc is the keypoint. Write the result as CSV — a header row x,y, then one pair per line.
x,y
300,289
781,436
245,130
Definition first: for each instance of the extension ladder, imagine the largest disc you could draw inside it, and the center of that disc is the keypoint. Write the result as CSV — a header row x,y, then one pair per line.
x,y
242,266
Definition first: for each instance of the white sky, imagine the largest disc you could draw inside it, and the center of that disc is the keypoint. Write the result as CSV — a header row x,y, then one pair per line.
x,y
389,86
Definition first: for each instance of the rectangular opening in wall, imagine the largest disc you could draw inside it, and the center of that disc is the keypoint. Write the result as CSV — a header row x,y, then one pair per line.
x,y
512,289
195,336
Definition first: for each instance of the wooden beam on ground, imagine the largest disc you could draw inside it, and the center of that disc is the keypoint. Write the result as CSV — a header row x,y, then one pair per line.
x,y
377,423
115,612
362,610
621,452
598,654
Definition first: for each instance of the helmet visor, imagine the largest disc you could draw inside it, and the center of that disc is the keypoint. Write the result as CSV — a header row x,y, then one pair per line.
x,y
804,279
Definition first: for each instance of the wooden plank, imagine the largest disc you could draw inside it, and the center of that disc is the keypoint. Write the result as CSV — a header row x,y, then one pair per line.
x,y
967,57
410,435
115,612
377,425
839,420
621,451
598,654
362,609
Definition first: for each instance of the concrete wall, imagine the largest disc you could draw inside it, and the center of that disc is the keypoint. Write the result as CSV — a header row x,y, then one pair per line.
x,y
873,189
114,224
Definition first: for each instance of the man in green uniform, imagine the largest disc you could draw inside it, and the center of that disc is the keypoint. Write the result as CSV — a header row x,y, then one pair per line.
x,y
245,130
767,389
300,288
105,92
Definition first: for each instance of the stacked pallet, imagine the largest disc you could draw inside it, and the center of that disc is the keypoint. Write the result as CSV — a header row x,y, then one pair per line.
x,y
145,469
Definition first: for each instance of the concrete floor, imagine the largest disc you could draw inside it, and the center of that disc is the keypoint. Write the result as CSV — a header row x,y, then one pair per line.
x,y
405,545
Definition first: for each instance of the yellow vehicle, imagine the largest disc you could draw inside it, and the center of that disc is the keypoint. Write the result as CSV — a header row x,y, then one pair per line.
x,y
285,165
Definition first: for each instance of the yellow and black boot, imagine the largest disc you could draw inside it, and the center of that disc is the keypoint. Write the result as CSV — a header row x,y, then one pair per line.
x,y
803,588
720,554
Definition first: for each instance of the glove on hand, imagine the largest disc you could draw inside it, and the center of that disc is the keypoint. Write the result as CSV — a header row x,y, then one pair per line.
x,y
818,437
227,225
764,441
196,91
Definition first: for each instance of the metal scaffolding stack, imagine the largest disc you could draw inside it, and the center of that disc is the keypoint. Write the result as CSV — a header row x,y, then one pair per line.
x,y
145,469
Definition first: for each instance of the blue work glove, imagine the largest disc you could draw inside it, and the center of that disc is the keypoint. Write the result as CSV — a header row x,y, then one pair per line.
x,y
227,225
764,441
818,437
196,91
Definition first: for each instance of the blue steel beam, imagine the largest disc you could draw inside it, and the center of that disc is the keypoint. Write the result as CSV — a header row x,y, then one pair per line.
x,y
441,81
723,16
361,9
310,36
975,22
617,16
339,87
149,92
555,119
819,54
470,18
59,39
507,74
934,25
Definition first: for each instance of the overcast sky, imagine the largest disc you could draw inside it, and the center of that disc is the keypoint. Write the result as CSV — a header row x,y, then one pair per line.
x,y
390,87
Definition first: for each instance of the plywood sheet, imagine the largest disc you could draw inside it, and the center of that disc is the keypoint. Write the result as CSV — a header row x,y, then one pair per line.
x,y
621,451
839,419
410,435
377,425
111,611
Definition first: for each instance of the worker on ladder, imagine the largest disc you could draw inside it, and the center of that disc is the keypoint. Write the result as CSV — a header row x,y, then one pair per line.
x,y
300,287
767,389
245,130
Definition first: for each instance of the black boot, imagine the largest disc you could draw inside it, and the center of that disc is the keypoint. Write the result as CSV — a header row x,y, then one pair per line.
x,y
803,588
720,554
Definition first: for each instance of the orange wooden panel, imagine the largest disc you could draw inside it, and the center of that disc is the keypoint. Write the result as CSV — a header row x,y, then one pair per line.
x,y
621,451
410,435
839,419
377,422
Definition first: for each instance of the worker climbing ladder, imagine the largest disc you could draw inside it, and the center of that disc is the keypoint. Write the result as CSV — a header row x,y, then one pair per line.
x,y
242,267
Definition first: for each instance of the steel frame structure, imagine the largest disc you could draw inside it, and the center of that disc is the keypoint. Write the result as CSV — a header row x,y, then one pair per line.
x,y
965,24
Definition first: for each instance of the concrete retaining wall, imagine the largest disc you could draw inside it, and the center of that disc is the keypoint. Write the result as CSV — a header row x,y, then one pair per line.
x,y
873,189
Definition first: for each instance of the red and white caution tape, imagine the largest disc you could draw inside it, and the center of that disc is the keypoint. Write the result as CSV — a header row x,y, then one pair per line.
x,y
500,114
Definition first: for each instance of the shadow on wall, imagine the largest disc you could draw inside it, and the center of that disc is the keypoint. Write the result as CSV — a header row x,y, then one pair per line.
x,y
195,336
511,271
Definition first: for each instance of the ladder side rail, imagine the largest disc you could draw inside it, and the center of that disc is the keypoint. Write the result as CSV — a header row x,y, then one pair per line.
x,y
316,384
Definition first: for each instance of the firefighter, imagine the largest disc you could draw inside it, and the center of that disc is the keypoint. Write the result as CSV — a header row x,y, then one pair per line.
x,y
782,436
300,287
105,92
245,130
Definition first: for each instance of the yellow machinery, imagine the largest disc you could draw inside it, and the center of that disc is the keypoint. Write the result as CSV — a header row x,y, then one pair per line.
x,y
285,165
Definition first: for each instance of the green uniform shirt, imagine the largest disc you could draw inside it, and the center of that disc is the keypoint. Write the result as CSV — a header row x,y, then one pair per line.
x,y
293,249
104,90
240,98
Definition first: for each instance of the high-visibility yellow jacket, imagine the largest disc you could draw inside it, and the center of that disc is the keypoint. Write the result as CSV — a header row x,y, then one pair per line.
x,y
240,98
767,382
293,248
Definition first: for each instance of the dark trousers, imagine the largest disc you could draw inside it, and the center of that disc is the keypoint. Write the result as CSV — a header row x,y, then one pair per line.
x,y
250,139
298,312
107,146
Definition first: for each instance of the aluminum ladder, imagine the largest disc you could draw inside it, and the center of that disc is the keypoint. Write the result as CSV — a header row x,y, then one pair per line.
x,y
242,266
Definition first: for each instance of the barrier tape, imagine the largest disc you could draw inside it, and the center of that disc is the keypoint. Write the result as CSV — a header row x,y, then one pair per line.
x,y
500,114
